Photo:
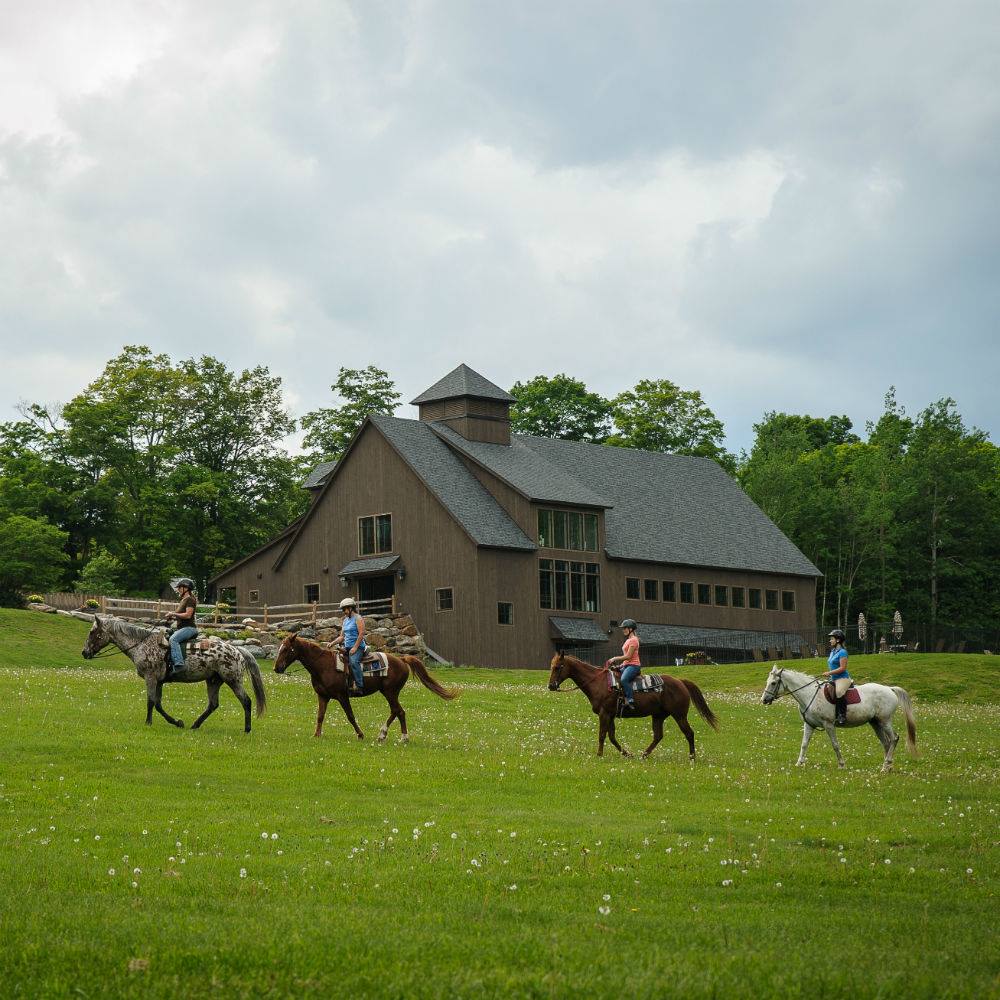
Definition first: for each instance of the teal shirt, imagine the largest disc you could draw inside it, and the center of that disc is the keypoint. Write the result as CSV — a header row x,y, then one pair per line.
x,y
837,662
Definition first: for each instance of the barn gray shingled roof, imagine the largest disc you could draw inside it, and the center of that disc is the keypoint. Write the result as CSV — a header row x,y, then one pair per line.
x,y
527,470
675,509
462,381
315,478
446,476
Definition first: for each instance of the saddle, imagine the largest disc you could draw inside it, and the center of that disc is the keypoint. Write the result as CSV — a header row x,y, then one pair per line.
x,y
852,697
642,683
372,664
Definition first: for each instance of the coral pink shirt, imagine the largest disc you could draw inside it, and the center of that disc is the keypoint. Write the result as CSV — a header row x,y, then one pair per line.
x,y
630,650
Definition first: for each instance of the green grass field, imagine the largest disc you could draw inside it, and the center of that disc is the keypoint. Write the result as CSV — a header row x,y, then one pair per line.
x,y
494,855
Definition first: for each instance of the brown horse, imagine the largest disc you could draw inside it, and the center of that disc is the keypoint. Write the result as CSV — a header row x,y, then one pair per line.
x,y
330,683
674,698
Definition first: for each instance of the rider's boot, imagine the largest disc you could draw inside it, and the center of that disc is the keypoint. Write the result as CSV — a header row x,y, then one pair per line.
x,y
841,716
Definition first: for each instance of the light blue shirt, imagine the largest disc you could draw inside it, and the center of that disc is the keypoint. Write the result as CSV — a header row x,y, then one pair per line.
x,y
350,631
837,662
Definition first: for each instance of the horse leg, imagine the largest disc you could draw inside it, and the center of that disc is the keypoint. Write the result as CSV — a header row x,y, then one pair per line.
x,y
889,740
832,733
657,735
236,687
602,733
345,704
159,707
213,684
807,735
685,728
150,699
321,714
614,742
394,710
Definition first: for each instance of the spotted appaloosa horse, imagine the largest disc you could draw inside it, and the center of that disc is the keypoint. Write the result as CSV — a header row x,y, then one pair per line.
x,y
330,684
673,699
222,663
877,706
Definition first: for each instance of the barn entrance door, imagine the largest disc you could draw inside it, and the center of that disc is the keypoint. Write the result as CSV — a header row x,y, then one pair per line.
x,y
377,588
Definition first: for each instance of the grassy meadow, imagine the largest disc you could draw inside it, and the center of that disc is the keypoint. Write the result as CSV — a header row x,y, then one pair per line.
x,y
495,854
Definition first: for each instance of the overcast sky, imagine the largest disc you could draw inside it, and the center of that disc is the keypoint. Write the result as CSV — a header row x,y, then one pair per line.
x,y
787,206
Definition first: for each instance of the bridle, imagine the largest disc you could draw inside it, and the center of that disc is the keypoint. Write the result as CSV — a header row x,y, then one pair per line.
x,y
111,647
787,690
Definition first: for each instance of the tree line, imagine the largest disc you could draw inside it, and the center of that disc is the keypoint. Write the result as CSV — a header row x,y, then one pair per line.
x,y
161,468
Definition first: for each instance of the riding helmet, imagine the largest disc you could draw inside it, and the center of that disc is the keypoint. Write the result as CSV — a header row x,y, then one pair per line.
x,y
185,581
348,602
629,623
838,634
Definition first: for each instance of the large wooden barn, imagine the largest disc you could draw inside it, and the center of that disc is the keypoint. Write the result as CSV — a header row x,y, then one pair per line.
x,y
504,547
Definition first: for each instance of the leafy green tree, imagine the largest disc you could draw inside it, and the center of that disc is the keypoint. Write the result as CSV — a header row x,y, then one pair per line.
x,y
364,391
101,575
559,407
659,416
31,557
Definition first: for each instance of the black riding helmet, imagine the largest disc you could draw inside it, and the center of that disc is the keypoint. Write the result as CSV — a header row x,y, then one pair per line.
x,y
185,581
838,634
629,623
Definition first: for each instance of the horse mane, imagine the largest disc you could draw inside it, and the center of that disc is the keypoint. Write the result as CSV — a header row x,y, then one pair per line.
x,y
119,627
576,661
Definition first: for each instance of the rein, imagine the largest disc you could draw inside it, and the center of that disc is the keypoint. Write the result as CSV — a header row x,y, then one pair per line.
x,y
812,680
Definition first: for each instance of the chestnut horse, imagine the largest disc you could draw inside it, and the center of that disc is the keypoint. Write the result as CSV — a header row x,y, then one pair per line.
x,y
674,698
330,683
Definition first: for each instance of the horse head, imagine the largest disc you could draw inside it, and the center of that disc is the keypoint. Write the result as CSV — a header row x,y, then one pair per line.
x,y
559,670
773,686
98,637
288,652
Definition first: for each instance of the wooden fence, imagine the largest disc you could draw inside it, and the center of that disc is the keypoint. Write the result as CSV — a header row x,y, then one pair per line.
x,y
208,614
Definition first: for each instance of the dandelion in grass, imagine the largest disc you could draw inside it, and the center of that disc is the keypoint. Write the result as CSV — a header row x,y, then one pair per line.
x,y
606,897
604,910
243,873
111,871
274,836
263,835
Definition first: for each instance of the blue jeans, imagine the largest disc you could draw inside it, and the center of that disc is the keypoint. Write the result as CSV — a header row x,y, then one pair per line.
x,y
359,675
629,674
176,638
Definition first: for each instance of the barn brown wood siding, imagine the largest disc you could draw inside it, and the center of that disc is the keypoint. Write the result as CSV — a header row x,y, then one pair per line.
x,y
475,419
437,553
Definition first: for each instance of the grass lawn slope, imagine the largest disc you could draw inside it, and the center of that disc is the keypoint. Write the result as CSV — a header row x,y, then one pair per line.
x,y
494,855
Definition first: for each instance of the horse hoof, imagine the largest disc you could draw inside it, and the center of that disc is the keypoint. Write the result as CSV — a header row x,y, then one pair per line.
x,y
178,724
361,736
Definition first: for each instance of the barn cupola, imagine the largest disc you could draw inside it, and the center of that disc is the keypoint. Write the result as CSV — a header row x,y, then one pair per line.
x,y
469,404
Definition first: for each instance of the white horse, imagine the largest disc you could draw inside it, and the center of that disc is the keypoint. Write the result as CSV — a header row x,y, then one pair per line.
x,y
876,708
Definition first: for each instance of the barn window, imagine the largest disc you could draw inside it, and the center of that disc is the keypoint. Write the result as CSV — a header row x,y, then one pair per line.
x,y
739,597
771,600
704,593
632,590
254,597
561,529
569,586
721,596
651,590
669,590
312,593
754,595
374,534
788,600
444,599
505,613
687,593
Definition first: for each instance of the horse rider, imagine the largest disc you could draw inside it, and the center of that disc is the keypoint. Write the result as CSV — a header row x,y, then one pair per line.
x,y
837,672
187,625
352,635
630,659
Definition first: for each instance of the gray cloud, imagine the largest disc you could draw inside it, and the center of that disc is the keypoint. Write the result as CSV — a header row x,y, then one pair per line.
x,y
788,208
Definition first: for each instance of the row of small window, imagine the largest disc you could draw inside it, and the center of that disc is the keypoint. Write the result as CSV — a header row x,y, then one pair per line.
x,y
444,600
566,529
723,597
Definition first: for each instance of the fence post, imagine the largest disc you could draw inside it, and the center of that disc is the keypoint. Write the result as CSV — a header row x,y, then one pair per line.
x,y
265,616
104,604
314,612
393,605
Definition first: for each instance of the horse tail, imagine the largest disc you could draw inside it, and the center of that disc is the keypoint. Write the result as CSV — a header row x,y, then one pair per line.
x,y
911,726
417,666
699,703
255,679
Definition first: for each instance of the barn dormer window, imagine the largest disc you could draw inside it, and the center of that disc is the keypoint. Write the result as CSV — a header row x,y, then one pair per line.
x,y
567,529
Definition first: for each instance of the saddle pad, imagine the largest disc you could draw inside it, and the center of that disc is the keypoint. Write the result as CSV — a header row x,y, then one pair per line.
x,y
375,664
853,694
644,682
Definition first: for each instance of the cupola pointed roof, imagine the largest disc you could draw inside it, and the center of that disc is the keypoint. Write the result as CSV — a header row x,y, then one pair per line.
x,y
462,381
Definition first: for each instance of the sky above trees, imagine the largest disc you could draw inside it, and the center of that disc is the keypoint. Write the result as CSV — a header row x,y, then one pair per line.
x,y
785,207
